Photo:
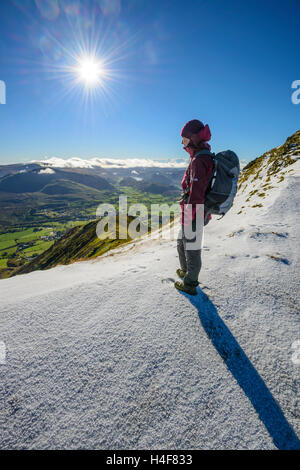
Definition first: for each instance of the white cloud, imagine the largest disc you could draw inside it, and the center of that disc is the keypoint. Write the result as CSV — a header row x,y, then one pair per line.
x,y
109,163
47,171
115,163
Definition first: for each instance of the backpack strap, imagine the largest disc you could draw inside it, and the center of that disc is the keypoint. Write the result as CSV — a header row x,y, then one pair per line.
x,y
213,173
204,152
207,152
198,154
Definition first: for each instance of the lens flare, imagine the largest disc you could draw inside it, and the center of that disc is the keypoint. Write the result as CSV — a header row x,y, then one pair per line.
x,y
84,51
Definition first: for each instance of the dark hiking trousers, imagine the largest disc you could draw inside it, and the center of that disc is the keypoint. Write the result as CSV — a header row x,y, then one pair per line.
x,y
190,260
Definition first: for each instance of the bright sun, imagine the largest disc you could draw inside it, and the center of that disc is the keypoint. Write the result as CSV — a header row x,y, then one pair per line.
x,y
90,71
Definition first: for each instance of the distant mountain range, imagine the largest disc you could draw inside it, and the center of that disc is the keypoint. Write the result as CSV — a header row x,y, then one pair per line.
x,y
30,172
27,190
69,187
33,177
95,173
38,179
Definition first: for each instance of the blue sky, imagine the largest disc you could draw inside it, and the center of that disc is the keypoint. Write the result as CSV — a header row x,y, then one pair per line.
x,y
228,63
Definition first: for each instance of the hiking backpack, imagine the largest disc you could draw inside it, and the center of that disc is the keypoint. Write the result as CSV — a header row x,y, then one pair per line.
x,y
222,187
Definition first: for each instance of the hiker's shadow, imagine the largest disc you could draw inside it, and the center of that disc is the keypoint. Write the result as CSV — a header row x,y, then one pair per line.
x,y
244,373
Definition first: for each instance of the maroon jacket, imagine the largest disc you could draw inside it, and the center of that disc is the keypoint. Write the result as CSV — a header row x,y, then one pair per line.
x,y
201,168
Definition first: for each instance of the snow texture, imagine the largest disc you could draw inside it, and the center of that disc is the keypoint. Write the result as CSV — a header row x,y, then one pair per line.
x,y
106,354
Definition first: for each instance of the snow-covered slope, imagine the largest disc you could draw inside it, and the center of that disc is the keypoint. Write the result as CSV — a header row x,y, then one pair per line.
x,y
107,354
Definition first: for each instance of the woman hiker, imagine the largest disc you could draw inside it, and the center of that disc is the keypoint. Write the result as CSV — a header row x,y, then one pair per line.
x,y
195,137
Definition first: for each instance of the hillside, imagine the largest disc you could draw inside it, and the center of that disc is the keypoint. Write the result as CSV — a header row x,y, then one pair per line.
x,y
106,354
79,243
264,174
62,186
30,181
149,187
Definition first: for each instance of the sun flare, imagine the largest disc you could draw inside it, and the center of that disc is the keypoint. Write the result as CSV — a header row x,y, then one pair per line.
x,y
90,71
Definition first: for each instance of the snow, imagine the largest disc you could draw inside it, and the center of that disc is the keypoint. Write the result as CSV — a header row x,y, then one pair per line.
x,y
106,354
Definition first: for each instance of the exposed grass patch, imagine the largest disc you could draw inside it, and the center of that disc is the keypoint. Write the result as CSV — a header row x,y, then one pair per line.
x,y
279,258
277,159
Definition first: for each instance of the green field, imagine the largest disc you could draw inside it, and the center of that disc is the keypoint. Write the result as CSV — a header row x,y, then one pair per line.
x,y
21,240
21,245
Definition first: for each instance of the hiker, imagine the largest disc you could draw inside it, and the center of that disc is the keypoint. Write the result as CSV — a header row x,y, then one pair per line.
x,y
195,137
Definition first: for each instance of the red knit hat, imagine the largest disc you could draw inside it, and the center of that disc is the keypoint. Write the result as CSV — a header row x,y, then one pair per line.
x,y
192,127
197,132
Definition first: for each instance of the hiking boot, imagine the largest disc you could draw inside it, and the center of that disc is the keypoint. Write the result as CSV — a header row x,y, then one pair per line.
x,y
180,273
183,287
